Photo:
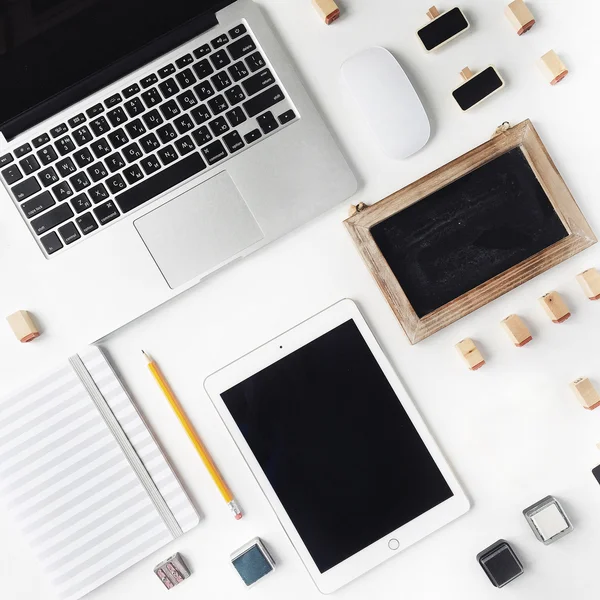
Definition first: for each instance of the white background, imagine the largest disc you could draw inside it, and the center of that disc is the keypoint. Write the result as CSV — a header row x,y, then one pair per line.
x,y
513,431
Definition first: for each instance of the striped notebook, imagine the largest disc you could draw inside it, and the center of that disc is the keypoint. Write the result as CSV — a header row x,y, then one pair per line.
x,y
83,477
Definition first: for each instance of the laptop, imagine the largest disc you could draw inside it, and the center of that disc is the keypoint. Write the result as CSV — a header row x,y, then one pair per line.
x,y
145,144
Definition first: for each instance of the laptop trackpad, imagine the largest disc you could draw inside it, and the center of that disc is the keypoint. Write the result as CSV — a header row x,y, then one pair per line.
x,y
198,230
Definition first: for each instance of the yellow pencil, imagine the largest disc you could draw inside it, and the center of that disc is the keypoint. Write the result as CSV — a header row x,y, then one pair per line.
x,y
202,451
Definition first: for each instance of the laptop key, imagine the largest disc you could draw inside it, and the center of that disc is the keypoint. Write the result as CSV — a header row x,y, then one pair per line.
x,y
169,109
52,218
202,136
219,41
287,116
184,60
160,182
214,152
65,167
241,47
150,164
258,82
267,122
47,155
97,172
95,110
22,150
221,81
149,143
118,138
79,181
100,147
135,129
254,135
98,193
168,87
12,174
51,243
6,159
99,126
36,205
166,71
151,98
255,62
217,104
235,95
184,145
64,145
131,90
115,184
263,101
187,100
204,91
82,136
117,116
106,213
201,114
59,130
133,174
134,107
237,31
114,162
153,119
148,81
26,188
183,123
238,71
166,133
236,116
83,157
220,59
76,120
68,232
87,223
62,190
113,100
80,203
185,78
40,140
29,164
48,176
218,126
203,69
233,141
132,152
202,51
167,155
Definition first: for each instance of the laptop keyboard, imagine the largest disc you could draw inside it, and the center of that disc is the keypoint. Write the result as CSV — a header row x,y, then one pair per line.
x,y
182,120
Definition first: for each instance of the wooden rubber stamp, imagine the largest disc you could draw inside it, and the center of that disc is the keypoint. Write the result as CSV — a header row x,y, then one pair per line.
x,y
517,330
552,68
471,354
23,325
477,87
586,393
520,17
555,307
443,27
328,10
590,283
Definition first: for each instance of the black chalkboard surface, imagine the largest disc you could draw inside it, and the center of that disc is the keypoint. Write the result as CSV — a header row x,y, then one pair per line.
x,y
469,231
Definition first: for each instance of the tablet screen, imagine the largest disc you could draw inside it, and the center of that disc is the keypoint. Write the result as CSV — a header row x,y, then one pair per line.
x,y
336,445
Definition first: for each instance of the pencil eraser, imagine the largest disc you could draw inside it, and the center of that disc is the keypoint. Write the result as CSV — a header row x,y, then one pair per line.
x,y
520,17
172,571
586,393
470,353
252,562
552,67
590,283
328,10
500,563
548,520
555,307
23,326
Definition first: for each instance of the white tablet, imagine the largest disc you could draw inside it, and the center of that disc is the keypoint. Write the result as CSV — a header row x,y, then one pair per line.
x,y
336,445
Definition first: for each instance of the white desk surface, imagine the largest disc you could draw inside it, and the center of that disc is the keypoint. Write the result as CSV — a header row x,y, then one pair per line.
x,y
513,431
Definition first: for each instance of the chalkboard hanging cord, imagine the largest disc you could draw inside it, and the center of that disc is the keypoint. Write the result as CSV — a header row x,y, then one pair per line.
x,y
501,129
357,208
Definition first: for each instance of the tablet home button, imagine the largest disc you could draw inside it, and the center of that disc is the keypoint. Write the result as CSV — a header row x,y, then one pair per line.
x,y
393,544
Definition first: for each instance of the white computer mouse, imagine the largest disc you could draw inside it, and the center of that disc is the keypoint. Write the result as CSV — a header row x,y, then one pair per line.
x,y
387,101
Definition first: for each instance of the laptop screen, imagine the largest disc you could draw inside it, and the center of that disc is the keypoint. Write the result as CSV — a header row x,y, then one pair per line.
x,y
47,46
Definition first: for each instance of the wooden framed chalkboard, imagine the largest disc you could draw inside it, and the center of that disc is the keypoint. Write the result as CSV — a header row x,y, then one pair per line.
x,y
471,231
